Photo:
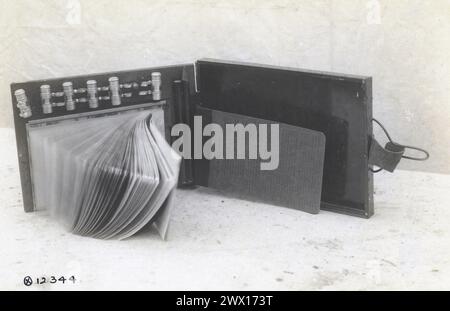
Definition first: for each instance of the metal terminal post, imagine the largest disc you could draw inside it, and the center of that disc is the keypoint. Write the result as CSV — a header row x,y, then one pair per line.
x,y
114,88
127,85
92,94
156,85
80,90
143,93
22,103
58,94
46,96
68,93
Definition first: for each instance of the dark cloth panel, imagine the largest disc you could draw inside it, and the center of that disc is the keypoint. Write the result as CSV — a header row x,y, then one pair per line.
x,y
296,183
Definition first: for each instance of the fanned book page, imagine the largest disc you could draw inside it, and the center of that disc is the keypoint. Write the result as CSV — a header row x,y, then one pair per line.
x,y
104,177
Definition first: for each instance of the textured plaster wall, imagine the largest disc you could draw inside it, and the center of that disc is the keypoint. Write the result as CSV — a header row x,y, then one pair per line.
x,y
403,44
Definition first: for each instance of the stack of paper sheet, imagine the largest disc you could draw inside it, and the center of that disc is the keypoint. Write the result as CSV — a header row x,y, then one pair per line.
x,y
104,177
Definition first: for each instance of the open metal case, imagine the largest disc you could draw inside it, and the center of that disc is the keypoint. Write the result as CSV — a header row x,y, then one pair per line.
x,y
328,114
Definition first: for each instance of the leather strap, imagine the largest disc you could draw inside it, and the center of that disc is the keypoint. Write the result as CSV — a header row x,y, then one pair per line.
x,y
388,157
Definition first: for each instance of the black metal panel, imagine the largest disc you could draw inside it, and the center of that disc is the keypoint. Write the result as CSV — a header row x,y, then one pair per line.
x,y
32,88
338,105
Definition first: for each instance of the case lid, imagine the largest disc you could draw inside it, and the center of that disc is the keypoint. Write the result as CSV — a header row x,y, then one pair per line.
x,y
340,106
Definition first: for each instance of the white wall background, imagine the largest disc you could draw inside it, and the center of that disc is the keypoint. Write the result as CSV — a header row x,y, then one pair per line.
x,y
403,44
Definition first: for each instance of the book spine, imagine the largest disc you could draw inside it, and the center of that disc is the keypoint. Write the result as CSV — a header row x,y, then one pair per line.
x,y
183,113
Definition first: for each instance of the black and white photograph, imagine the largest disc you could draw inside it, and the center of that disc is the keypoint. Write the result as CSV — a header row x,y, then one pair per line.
x,y
224,146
